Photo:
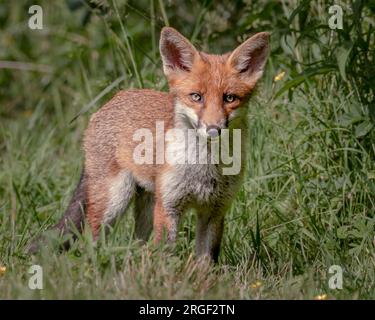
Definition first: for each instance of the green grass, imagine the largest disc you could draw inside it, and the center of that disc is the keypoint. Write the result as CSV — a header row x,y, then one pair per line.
x,y
307,203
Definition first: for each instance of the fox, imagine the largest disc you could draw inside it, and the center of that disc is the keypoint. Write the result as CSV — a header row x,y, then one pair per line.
x,y
208,93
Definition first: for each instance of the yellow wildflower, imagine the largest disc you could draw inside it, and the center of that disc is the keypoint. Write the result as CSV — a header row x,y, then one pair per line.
x,y
256,284
3,269
279,76
321,297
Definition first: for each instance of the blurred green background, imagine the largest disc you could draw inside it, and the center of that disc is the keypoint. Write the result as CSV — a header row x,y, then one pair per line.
x,y
307,202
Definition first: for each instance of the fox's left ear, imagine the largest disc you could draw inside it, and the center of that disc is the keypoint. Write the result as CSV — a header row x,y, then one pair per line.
x,y
250,57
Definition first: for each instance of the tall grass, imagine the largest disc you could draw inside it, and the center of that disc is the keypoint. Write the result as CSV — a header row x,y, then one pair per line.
x,y
308,199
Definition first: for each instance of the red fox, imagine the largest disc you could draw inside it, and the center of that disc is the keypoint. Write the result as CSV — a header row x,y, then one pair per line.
x,y
208,94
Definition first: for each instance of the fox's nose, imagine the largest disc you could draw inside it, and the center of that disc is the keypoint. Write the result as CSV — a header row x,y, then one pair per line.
x,y
213,131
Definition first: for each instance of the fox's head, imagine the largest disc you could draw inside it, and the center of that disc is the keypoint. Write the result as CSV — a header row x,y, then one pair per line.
x,y
210,89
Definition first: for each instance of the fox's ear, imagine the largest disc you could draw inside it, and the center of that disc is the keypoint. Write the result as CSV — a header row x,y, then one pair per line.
x,y
250,57
176,51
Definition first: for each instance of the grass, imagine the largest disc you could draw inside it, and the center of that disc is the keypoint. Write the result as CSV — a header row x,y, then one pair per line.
x,y
307,202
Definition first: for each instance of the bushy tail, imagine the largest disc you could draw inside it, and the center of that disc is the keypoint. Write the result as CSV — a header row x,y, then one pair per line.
x,y
75,213
72,219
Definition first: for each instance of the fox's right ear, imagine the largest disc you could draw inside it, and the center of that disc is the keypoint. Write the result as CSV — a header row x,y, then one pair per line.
x,y
176,51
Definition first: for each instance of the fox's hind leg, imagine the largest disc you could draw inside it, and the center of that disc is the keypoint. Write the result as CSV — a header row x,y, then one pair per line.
x,y
143,212
108,198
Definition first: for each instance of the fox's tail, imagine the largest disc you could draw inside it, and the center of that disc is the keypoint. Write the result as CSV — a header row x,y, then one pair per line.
x,y
73,218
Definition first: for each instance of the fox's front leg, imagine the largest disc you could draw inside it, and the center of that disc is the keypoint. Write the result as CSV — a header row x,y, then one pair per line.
x,y
165,219
209,231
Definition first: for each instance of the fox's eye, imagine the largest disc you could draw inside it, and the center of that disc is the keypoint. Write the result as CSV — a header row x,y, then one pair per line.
x,y
196,97
229,98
